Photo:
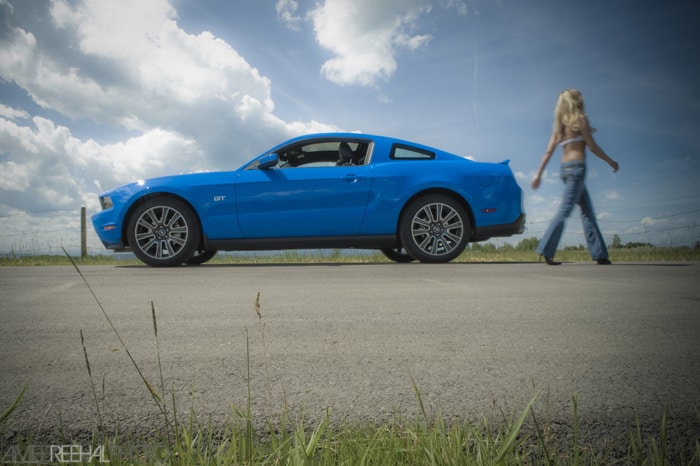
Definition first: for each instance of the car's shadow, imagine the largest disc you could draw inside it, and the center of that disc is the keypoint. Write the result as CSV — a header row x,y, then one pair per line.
x,y
318,264
394,264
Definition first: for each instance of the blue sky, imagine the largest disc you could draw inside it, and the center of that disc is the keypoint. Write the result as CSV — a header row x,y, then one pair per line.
x,y
96,93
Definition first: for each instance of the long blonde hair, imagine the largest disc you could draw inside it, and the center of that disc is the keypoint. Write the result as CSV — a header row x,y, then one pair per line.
x,y
568,113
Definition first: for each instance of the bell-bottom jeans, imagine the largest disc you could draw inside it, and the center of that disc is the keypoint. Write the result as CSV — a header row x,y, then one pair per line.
x,y
575,193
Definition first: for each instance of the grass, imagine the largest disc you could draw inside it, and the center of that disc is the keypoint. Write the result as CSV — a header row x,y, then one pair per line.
x,y
511,438
476,253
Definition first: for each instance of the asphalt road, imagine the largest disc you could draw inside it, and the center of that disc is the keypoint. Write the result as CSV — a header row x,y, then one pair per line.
x,y
620,343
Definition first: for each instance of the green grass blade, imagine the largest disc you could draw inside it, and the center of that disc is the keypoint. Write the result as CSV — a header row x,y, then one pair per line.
x,y
509,443
92,381
316,436
154,394
420,399
13,406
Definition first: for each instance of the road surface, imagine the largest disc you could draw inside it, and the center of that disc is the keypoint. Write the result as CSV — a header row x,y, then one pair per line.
x,y
622,341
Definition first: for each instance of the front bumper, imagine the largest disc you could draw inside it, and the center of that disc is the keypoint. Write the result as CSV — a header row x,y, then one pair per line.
x,y
108,230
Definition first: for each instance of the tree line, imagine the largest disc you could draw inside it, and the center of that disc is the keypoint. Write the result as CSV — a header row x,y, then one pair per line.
x,y
530,244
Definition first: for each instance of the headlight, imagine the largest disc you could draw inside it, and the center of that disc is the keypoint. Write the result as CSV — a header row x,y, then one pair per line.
x,y
106,202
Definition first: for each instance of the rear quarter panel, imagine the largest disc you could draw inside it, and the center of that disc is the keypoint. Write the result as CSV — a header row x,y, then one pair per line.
x,y
489,189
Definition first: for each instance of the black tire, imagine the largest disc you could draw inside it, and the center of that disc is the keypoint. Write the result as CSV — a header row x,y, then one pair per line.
x,y
200,257
163,232
434,228
398,255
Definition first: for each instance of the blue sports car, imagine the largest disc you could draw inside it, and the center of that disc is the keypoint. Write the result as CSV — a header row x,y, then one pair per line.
x,y
334,190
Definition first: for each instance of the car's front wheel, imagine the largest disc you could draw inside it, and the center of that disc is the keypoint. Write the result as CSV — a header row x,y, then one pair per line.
x,y
163,232
435,228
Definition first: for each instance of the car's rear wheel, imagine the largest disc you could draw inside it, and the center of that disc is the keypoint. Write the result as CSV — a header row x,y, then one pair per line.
x,y
434,228
163,232
398,255
200,257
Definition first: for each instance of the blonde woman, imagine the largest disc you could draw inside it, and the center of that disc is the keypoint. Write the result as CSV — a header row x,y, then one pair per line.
x,y
572,132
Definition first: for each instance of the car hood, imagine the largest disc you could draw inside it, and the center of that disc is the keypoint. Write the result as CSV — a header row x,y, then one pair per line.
x,y
183,179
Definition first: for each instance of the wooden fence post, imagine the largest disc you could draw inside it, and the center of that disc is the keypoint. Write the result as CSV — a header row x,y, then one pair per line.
x,y
83,233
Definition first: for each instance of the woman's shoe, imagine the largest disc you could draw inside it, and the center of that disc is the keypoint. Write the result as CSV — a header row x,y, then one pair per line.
x,y
549,260
605,261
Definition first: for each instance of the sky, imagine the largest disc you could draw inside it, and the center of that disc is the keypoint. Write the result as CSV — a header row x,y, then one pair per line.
x,y
98,93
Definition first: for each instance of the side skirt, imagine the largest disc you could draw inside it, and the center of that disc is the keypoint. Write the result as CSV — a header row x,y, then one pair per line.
x,y
319,242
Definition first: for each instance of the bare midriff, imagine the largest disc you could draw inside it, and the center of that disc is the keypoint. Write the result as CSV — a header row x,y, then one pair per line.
x,y
574,151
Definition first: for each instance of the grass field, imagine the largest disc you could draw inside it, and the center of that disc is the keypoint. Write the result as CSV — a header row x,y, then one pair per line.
x,y
486,252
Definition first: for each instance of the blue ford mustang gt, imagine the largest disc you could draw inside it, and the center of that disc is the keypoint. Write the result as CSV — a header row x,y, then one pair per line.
x,y
334,190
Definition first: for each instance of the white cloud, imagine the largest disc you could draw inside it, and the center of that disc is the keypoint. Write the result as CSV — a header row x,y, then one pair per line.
x,y
47,174
548,176
535,199
47,167
188,102
12,113
613,196
521,177
385,99
649,221
365,36
128,64
287,13
459,5
132,66
13,177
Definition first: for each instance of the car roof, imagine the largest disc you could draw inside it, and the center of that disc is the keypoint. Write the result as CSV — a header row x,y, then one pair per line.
x,y
353,135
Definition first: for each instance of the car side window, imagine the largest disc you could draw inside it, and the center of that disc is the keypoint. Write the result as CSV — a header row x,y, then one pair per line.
x,y
324,154
403,152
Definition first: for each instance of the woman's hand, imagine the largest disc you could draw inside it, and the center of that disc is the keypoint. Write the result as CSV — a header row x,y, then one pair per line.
x,y
615,166
535,182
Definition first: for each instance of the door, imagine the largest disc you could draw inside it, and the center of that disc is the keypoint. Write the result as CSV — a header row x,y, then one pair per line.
x,y
302,201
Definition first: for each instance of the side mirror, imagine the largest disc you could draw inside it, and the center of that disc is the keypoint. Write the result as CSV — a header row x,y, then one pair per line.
x,y
268,161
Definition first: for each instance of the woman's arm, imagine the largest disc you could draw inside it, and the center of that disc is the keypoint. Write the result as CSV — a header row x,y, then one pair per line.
x,y
595,148
545,159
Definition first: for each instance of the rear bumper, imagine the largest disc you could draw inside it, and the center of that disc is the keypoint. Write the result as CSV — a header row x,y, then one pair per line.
x,y
507,229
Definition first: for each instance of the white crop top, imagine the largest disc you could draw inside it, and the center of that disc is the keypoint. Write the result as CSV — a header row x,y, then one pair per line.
x,y
574,139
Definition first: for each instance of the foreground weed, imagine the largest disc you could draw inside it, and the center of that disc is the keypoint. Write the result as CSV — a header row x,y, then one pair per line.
x,y
261,321
655,450
157,398
511,442
151,390
443,445
12,407
92,383
245,442
305,447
